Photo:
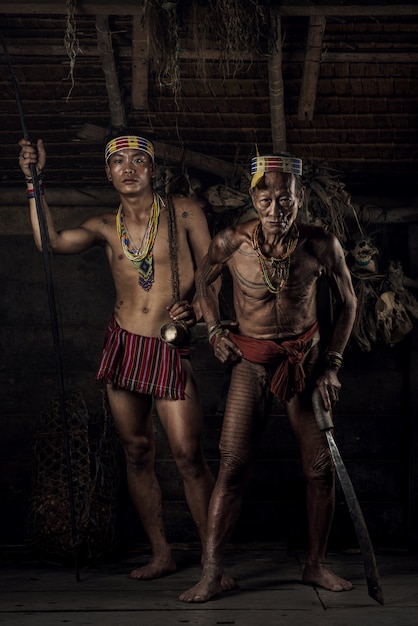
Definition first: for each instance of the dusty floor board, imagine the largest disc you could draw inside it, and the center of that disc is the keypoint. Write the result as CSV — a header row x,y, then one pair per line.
x,y
270,592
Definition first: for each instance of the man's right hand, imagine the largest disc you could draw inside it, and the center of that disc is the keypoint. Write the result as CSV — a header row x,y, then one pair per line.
x,y
329,387
225,350
31,154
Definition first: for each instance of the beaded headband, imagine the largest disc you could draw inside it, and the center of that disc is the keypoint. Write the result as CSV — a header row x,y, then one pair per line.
x,y
262,164
128,141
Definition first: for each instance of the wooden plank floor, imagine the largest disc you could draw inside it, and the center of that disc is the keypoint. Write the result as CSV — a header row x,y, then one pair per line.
x,y
270,592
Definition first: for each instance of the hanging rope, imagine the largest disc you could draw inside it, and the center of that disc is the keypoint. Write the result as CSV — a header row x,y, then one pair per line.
x,y
52,308
172,242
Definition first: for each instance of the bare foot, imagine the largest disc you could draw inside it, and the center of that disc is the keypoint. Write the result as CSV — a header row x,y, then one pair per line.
x,y
203,591
156,568
228,583
323,577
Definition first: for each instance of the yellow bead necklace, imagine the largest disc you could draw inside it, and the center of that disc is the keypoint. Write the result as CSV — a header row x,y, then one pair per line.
x,y
279,266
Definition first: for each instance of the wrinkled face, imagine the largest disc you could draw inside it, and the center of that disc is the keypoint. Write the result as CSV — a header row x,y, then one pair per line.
x,y
277,202
130,170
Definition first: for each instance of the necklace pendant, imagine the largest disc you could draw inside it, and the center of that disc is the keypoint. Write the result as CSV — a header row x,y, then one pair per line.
x,y
145,273
141,257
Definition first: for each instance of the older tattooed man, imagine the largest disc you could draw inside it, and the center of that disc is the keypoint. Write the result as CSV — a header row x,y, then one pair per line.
x,y
275,263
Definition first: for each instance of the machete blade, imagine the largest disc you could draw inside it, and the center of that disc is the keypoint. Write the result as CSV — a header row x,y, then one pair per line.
x,y
325,423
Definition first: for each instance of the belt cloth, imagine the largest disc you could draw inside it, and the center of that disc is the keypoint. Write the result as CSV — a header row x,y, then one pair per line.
x,y
142,364
289,376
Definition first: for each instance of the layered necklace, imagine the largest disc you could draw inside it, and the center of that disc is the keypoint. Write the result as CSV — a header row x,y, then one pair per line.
x,y
279,267
141,256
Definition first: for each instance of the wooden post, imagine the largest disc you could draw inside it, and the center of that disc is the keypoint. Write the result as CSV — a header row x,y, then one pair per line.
x,y
311,67
104,44
140,61
278,122
413,406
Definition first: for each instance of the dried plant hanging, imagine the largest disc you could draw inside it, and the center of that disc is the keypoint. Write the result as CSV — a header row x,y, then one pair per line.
x,y
327,201
240,29
164,24
70,41
240,26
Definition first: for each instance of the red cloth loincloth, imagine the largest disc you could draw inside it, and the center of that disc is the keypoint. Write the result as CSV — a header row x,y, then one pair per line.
x,y
289,377
142,364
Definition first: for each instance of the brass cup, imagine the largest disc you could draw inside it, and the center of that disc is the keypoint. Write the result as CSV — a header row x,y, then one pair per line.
x,y
174,333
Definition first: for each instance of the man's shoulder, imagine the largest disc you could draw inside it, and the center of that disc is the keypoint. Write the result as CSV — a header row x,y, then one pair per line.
x,y
102,217
320,242
101,222
189,212
241,228
311,232
236,235
184,202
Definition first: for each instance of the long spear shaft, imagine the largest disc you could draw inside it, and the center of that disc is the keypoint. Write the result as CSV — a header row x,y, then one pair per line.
x,y
52,309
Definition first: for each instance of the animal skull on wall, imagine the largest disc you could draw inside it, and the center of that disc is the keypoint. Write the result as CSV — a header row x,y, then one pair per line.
x,y
392,319
363,255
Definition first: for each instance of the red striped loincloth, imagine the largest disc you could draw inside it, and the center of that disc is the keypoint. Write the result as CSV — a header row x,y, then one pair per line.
x,y
142,364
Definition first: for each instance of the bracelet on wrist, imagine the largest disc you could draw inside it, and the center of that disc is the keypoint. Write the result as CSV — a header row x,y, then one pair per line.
x,y
39,177
217,333
212,328
334,360
30,193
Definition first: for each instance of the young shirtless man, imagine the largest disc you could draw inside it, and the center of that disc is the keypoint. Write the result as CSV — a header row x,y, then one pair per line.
x,y
275,264
138,367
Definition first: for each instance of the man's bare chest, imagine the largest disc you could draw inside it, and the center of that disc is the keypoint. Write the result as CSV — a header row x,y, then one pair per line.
x,y
255,277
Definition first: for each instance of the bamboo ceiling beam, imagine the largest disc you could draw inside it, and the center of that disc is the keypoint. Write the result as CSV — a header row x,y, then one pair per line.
x,y
313,55
276,90
140,62
166,152
294,56
104,45
287,8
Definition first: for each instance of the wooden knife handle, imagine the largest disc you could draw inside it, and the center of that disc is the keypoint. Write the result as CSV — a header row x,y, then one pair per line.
x,y
322,415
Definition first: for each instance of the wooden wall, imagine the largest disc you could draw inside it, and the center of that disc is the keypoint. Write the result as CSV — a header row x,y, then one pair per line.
x,y
375,421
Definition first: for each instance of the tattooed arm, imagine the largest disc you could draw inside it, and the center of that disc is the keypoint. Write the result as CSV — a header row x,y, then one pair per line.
x,y
209,271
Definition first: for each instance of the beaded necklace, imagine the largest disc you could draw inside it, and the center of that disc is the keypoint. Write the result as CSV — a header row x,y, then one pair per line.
x,y
141,256
279,266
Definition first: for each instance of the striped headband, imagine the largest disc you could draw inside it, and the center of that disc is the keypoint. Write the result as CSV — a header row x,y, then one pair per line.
x,y
262,164
128,141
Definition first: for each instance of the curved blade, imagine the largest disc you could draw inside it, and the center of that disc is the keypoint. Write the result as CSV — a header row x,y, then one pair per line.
x,y
324,420
362,534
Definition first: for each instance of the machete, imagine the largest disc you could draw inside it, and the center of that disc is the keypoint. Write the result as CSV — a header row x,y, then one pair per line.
x,y
324,420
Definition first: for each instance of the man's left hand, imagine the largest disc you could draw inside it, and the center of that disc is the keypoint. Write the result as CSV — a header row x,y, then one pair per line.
x,y
183,311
